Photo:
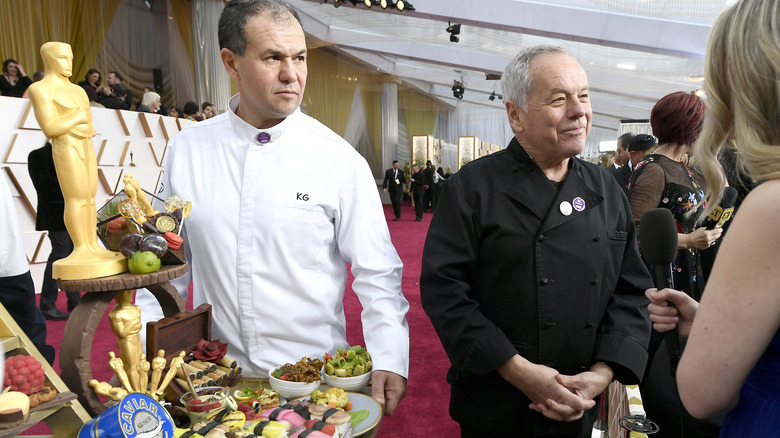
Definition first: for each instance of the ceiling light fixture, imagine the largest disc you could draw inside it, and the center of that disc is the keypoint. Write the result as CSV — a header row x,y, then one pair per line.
x,y
453,30
458,89
626,66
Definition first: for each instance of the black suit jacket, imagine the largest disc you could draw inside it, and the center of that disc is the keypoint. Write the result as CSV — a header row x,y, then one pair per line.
x,y
389,182
502,270
622,174
51,204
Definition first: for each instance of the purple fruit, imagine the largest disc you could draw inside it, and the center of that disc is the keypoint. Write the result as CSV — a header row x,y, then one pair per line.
x,y
129,244
154,243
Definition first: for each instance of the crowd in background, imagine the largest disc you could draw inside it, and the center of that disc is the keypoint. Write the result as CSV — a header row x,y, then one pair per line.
x,y
114,94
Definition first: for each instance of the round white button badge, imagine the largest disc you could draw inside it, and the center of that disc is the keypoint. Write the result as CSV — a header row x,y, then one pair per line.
x,y
566,208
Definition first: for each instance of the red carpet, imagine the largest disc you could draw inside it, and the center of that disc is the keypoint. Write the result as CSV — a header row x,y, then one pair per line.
x,y
423,413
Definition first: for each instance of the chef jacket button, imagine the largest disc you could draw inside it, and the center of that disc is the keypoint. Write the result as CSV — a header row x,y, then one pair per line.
x,y
596,238
514,168
594,282
548,325
588,324
541,238
583,366
549,365
544,281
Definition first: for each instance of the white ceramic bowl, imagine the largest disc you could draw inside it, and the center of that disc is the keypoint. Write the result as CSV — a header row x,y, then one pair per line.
x,y
351,384
291,390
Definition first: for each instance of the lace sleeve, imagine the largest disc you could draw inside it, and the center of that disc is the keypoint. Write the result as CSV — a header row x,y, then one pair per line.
x,y
647,186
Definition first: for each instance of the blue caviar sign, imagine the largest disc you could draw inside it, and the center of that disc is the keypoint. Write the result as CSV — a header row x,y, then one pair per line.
x,y
136,416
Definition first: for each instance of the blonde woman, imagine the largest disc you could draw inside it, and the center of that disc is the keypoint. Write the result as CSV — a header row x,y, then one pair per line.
x,y
730,363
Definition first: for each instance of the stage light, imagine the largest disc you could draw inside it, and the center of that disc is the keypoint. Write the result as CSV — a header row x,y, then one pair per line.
x,y
453,30
368,3
458,89
383,4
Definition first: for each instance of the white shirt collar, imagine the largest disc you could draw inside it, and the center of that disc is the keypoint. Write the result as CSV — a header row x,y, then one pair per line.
x,y
256,136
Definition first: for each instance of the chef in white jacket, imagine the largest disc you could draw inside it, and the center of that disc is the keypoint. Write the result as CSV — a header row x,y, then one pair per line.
x,y
280,204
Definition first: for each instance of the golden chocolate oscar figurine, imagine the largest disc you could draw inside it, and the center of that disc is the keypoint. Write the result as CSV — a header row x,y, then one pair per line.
x,y
105,388
143,367
126,322
158,363
138,194
115,363
175,365
63,113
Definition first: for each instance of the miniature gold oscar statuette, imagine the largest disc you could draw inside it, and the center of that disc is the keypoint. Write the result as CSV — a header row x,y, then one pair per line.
x,y
175,365
126,323
105,388
118,367
63,113
143,366
158,364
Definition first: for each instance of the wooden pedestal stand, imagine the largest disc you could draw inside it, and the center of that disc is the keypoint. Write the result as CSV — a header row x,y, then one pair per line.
x,y
76,350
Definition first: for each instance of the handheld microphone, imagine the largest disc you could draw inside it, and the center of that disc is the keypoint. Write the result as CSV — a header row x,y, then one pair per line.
x,y
658,237
722,212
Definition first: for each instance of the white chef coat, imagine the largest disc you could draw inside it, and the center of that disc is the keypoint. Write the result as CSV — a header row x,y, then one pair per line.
x,y
271,229
13,260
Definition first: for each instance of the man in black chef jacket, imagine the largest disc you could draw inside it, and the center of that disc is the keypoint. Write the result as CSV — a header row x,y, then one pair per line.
x,y
531,274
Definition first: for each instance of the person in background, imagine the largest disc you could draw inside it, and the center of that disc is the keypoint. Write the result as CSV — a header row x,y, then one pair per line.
x,y
623,165
731,361
110,92
638,147
174,112
531,274
394,183
150,103
91,84
207,110
662,180
418,192
117,98
190,111
14,81
37,76
281,251
17,291
430,183
50,217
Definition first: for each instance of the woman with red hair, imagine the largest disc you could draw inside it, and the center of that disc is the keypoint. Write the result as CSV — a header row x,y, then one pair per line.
x,y
663,180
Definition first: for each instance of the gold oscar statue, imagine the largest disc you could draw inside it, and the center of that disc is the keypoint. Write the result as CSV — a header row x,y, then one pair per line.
x,y
115,363
126,322
176,363
105,388
63,113
158,363
143,366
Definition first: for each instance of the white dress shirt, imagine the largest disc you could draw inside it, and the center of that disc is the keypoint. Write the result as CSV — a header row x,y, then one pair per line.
x,y
268,240
13,260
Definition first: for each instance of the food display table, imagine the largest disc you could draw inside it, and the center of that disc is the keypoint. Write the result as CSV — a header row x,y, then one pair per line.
x,y
373,427
75,353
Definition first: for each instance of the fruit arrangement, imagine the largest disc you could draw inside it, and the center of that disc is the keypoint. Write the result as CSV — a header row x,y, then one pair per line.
x,y
147,237
24,374
143,252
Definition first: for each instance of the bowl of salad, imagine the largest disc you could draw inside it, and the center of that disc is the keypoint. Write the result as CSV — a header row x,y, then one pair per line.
x,y
348,369
296,380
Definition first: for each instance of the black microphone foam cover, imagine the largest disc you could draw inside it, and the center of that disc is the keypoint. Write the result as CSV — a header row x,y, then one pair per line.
x,y
729,197
658,236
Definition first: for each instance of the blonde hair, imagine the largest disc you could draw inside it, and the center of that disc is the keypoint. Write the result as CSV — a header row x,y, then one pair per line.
x,y
742,81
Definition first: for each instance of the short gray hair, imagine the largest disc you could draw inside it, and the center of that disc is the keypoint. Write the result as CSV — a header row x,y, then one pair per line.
x,y
149,98
517,81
